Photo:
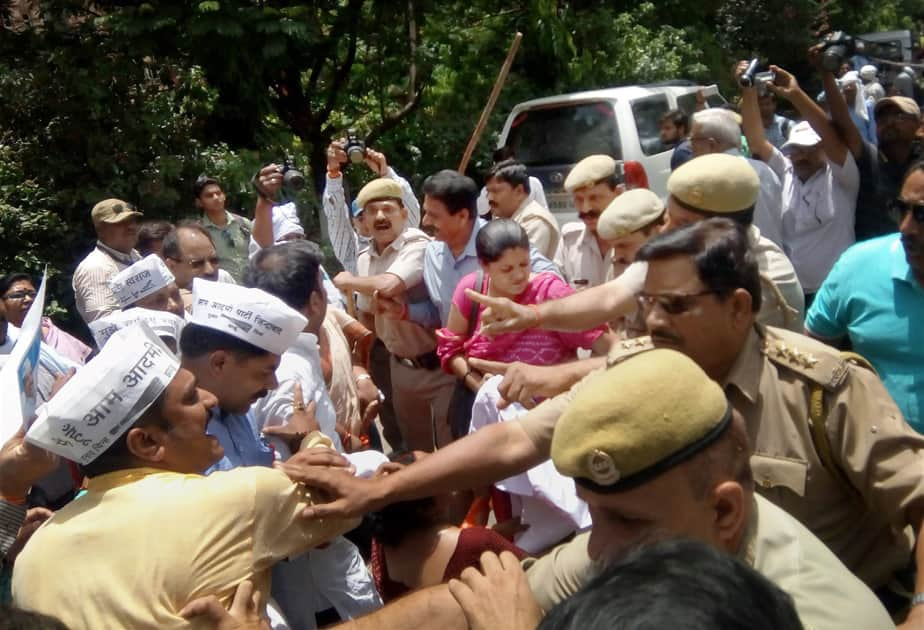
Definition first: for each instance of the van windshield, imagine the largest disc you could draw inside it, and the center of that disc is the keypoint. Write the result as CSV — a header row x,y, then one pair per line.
x,y
564,134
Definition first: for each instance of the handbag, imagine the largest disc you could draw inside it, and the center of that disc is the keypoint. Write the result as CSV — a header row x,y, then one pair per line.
x,y
460,405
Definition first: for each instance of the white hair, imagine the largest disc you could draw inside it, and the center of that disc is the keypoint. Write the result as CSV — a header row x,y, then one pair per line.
x,y
720,125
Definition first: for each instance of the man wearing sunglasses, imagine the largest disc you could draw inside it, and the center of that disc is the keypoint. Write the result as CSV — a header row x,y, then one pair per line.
x,y
874,296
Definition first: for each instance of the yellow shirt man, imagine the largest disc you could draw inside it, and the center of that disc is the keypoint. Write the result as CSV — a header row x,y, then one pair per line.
x,y
142,543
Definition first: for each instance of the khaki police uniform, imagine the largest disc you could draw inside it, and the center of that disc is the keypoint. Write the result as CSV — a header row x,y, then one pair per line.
x,y
616,435
580,259
825,593
865,518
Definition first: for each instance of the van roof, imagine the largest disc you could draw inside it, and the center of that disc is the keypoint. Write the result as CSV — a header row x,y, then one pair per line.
x,y
626,91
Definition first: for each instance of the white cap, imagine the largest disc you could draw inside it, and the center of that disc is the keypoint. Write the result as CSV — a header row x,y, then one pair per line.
x,y
106,396
868,72
802,135
140,280
285,221
251,315
162,323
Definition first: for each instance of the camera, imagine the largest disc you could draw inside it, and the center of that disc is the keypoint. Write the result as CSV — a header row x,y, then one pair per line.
x,y
292,178
752,78
836,48
762,80
355,148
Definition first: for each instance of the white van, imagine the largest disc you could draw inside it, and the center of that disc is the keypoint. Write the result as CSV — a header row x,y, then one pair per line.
x,y
549,135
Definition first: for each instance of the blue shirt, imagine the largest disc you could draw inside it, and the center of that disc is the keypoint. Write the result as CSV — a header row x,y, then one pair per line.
x,y
442,272
239,436
872,296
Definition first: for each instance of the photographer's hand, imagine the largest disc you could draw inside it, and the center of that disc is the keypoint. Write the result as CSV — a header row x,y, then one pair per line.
x,y
376,162
336,157
738,70
784,85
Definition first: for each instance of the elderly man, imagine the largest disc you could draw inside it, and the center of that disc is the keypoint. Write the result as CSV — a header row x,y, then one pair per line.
x,y
654,463
136,422
584,256
392,268
717,131
820,181
189,253
874,296
147,284
116,225
508,189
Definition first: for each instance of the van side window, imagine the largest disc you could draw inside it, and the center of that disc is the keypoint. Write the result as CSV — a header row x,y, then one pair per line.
x,y
647,112
564,134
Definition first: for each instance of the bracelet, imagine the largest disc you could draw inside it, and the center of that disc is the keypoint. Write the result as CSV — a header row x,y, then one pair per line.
x,y
917,600
364,377
535,309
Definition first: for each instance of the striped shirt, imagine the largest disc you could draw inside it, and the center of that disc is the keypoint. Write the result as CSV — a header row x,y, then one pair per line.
x,y
91,281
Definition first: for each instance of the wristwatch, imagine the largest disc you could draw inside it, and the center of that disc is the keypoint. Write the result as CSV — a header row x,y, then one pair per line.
x,y
917,600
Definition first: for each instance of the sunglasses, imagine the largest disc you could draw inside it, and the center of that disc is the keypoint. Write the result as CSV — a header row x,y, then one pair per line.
x,y
899,208
199,263
671,303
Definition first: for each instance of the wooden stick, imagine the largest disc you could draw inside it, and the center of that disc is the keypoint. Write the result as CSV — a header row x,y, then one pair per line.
x,y
489,106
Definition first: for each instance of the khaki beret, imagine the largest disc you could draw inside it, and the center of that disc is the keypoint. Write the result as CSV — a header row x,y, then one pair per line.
x,y
635,420
113,211
630,211
589,171
904,104
716,183
381,188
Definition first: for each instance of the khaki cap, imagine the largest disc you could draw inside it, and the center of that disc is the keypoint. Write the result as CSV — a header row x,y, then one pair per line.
x,y
589,171
903,103
381,188
630,211
629,424
716,184
113,211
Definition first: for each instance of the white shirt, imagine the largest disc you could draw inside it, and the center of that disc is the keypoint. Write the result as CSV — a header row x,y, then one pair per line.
x,y
300,364
818,215
768,211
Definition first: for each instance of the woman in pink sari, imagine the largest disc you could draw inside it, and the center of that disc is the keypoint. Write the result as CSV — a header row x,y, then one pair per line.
x,y
503,251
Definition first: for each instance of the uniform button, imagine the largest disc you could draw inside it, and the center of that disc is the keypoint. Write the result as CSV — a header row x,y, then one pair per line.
x,y
766,482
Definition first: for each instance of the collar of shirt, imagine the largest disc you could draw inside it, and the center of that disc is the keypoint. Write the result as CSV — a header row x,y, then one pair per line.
x,y
901,270
305,346
470,251
121,478
745,372
395,245
120,257
207,222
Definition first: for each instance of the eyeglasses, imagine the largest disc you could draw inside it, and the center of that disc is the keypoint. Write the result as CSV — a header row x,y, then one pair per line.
x,y
671,303
19,295
198,263
899,208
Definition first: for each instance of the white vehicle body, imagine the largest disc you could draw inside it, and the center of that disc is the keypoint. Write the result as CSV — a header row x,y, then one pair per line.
x,y
550,135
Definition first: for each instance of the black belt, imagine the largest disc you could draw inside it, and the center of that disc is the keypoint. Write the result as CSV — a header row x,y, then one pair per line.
x,y
427,361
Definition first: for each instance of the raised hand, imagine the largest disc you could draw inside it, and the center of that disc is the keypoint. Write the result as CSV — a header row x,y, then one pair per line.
x,y
502,315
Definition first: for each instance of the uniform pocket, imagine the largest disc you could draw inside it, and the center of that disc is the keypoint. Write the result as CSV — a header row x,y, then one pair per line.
x,y
779,472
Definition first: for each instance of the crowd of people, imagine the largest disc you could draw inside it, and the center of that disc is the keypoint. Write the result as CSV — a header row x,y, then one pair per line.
x,y
705,407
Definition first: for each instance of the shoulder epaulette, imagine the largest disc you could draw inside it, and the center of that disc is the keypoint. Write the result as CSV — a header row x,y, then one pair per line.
x,y
814,360
628,348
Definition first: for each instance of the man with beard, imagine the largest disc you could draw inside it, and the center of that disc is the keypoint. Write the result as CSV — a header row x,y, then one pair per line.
x,y
232,344
391,268
819,175
874,296
675,129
